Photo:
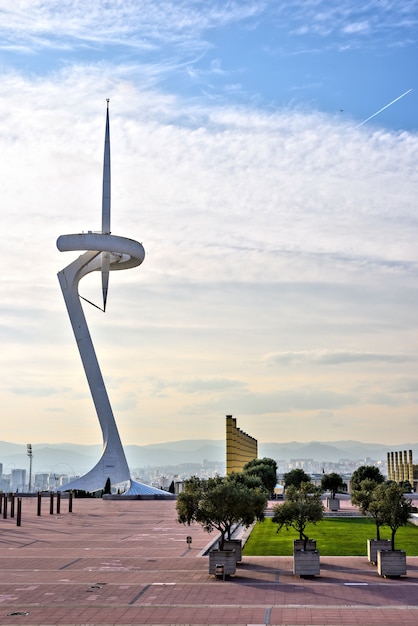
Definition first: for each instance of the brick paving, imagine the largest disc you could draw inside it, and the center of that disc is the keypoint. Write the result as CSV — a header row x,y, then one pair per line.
x,y
128,562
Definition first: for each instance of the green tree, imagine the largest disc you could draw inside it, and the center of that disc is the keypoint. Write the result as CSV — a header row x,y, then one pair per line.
x,y
395,508
296,477
249,480
363,472
265,469
188,500
333,483
366,499
406,486
303,506
107,489
220,504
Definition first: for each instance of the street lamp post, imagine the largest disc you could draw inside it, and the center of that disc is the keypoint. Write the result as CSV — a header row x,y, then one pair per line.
x,y
30,455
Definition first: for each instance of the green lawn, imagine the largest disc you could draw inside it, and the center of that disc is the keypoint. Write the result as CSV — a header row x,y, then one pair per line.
x,y
334,537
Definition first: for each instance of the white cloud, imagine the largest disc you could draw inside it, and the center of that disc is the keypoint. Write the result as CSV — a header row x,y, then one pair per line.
x,y
141,25
357,27
285,233
335,357
383,21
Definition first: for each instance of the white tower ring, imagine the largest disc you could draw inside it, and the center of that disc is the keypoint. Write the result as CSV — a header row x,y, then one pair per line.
x,y
125,252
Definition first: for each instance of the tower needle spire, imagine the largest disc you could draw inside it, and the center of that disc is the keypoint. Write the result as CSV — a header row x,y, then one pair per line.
x,y
106,208
106,178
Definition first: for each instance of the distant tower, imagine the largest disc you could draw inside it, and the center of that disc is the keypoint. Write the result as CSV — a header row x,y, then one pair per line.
x,y
410,468
389,468
400,466
104,253
240,447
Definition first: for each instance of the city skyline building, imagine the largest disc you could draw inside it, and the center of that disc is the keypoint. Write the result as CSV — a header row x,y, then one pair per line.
x,y
240,447
103,252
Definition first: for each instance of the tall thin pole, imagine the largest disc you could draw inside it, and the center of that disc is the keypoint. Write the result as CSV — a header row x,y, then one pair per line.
x,y
30,455
106,209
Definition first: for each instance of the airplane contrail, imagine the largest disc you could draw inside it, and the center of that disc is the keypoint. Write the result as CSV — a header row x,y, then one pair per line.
x,y
383,108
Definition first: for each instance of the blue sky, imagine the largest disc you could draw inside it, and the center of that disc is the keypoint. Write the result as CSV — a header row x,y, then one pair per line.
x,y
280,227
352,57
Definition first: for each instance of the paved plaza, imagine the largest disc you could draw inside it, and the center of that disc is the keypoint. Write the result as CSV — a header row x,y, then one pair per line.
x,y
128,562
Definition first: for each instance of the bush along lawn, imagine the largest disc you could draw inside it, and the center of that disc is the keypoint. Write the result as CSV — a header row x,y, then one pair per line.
x,y
334,537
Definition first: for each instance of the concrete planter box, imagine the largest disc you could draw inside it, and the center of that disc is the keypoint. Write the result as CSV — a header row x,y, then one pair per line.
x,y
306,563
333,504
234,544
222,558
374,545
391,562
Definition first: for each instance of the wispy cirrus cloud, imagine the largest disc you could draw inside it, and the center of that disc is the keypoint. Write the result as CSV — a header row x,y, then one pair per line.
x,y
382,21
199,385
279,402
27,26
357,27
335,357
141,25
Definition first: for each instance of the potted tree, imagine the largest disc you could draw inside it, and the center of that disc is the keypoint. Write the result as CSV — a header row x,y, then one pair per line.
x,y
396,510
221,504
259,482
303,506
368,502
361,494
334,484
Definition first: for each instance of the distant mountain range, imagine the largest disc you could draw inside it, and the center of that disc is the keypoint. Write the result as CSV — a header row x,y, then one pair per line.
x,y
78,459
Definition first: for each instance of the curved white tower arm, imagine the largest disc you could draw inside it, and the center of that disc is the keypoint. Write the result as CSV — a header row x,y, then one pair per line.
x,y
122,253
112,462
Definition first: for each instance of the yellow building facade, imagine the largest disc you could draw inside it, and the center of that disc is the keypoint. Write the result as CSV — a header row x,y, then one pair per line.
x,y
400,466
240,447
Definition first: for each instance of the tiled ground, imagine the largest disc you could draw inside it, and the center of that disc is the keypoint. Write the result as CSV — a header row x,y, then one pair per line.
x,y
128,562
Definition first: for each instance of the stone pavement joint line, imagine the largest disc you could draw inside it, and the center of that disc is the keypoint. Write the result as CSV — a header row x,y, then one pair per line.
x,y
121,563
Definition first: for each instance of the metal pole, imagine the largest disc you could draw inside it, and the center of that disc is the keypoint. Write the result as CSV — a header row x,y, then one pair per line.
x,y
70,501
5,506
19,512
51,503
12,505
39,503
30,455
58,502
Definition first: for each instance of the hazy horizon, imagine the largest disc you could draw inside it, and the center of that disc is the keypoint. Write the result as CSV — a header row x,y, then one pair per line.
x,y
391,445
